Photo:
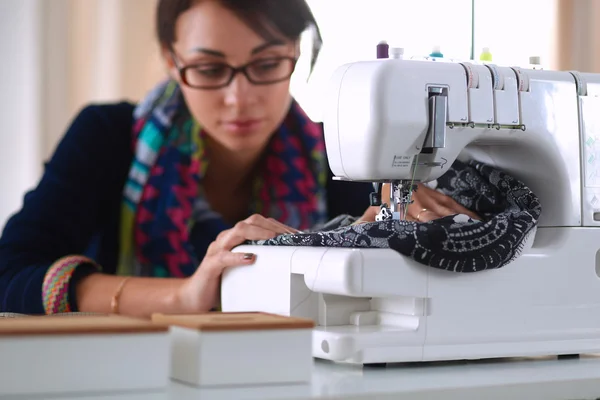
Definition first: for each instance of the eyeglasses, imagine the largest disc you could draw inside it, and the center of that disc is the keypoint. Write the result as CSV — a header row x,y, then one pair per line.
x,y
264,71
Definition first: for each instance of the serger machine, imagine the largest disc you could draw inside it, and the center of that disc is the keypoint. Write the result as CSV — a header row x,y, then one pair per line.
x,y
376,305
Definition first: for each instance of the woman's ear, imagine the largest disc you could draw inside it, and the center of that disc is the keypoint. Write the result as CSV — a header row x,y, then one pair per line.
x,y
296,47
167,55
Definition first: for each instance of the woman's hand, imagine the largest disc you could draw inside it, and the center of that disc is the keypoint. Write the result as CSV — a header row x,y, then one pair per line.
x,y
200,292
428,204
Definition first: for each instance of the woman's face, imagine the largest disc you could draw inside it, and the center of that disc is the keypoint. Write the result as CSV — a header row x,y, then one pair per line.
x,y
240,116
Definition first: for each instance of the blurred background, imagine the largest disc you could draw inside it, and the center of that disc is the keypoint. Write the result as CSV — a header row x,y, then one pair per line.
x,y
59,55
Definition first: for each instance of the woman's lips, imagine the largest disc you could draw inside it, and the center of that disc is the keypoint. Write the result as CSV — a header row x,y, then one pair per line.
x,y
242,125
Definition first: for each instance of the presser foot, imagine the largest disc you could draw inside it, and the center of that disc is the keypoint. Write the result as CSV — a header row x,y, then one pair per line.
x,y
385,213
400,198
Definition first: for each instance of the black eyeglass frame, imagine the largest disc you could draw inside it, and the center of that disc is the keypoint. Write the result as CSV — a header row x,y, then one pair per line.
x,y
243,69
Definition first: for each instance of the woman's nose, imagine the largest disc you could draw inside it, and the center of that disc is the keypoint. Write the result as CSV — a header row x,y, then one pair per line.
x,y
240,92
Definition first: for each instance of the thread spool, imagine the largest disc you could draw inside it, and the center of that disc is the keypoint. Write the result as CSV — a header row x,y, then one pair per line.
x,y
436,52
383,50
486,55
397,53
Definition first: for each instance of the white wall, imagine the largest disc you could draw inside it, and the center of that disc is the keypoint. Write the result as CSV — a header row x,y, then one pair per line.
x,y
20,100
58,56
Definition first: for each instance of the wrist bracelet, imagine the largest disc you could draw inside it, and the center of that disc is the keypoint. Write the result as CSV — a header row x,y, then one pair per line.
x,y
114,302
55,288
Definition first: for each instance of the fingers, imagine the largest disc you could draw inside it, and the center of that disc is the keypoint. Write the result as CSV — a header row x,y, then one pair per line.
x,y
424,215
430,204
219,255
448,206
213,267
269,223
284,228
255,227
243,232
239,234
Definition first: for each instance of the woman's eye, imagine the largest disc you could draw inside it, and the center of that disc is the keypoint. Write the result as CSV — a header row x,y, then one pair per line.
x,y
213,71
266,66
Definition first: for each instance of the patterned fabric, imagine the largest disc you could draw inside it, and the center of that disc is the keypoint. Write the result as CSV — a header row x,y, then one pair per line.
x,y
163,201
55,288
509,209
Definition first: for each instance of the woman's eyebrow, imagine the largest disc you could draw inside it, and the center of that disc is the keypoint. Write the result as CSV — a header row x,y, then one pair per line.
x,y
265,46
207,51
255,50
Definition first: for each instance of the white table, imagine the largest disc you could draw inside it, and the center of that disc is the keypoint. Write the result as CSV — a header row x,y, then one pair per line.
x,y
531,379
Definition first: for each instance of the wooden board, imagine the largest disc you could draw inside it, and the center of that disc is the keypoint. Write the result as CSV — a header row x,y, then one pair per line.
x,y
52,325
218,321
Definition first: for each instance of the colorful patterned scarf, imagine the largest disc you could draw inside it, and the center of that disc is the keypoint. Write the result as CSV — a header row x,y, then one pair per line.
x,y
163,199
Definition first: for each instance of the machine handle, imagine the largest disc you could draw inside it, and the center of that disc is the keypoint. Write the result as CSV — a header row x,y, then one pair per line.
x,y
436,132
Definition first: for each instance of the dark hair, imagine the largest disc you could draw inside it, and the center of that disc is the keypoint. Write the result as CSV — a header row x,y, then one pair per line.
x,y
266,17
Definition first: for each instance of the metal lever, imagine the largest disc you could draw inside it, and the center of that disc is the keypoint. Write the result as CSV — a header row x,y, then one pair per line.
x,y
436,132
375,197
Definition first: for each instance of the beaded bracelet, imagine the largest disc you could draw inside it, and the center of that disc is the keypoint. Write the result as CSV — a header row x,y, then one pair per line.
x,y
55,289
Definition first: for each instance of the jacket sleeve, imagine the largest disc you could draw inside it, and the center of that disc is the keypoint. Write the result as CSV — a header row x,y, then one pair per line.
x,y
63,212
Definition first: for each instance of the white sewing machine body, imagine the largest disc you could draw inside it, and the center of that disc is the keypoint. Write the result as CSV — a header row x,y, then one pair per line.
x,y
375,305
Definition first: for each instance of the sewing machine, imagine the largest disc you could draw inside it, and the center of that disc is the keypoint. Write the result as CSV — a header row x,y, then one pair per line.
x,y
377,306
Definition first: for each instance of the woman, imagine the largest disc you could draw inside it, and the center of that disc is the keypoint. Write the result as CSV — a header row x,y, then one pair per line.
x,y
140,206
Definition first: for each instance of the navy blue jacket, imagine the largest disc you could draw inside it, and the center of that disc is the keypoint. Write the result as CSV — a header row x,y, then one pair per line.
x,y
76,205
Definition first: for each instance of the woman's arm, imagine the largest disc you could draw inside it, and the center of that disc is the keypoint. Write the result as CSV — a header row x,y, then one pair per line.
x,y
80,191
198,293
140,297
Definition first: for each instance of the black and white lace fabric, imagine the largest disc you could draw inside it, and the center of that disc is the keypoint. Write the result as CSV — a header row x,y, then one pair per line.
x,y
509,209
